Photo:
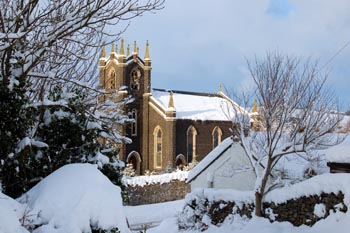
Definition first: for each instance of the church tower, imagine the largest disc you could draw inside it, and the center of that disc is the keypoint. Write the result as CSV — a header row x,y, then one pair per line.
x,y
124,72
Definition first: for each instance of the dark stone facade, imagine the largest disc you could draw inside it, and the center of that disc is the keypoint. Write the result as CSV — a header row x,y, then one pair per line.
x,y
204,135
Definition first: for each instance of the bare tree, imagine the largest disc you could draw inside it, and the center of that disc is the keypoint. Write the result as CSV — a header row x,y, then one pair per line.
x,y
45,43
51,47
296,115
55,39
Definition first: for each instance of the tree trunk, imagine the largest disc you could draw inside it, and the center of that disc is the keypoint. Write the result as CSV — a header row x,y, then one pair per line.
x,y
260,193
258,204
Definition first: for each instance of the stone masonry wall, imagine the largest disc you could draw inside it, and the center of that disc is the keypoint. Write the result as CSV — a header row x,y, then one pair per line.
x,y
301,211
155,193
296,211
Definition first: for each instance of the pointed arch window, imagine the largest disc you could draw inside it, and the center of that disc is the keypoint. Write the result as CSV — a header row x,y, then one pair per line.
x,y
134,123
135,79
191,144
157,134
113,81
217,134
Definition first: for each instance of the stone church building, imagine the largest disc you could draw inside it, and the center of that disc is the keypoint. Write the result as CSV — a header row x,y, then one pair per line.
x,y
171,128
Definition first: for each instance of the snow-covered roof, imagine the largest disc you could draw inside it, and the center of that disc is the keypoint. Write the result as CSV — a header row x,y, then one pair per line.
x,y
196,106
339,153
210,158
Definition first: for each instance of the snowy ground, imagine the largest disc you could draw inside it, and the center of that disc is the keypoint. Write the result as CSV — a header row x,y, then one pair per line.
x,y
152,215
335,223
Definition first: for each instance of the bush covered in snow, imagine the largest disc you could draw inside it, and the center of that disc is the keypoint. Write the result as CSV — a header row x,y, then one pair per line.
x,y
76,198
12,215
65,133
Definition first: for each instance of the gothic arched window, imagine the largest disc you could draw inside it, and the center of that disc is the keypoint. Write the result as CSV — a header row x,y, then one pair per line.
x,y
157,135
113,80
217,133
134,123
135,79
191,144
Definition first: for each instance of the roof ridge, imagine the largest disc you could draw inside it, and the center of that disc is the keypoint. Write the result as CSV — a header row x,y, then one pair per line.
x,y
187,92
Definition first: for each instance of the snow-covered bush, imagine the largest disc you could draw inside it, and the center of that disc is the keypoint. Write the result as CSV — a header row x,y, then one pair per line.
x,y
38,53
76,198
204,207
72,133
11,213
129,170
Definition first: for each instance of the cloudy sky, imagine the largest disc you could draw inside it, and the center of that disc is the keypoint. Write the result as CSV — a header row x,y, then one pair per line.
x,y
196,45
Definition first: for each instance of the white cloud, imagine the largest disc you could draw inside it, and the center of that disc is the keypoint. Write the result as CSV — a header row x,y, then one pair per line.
x,y
206,42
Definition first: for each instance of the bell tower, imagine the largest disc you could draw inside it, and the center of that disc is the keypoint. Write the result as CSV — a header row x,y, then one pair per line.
x,y
126,71
129,75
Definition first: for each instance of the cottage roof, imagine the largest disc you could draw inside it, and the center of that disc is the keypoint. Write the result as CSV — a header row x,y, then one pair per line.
x,y
197,106
210,158
339,153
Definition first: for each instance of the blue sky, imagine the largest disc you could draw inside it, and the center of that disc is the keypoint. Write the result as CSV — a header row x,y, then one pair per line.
x,y
199,44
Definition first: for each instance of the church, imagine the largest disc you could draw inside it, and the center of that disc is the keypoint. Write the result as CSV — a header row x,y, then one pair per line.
x,y
170,127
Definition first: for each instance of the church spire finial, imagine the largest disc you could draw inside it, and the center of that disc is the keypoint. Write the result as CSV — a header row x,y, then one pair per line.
x,y
103,52
128,50
135,47
255,106
113,50
220,88
147,57
171,101
122,47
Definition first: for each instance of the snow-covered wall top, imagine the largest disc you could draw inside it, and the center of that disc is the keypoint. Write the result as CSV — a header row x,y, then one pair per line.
x,y
196,107
146,180
325,183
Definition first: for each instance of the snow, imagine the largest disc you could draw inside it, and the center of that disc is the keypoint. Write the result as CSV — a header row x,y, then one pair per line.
x,y
339,153
207,160
101,159
29,142
320,210
195,106
163,178
144,215
10,214
327,183
73,197
336,222
213,195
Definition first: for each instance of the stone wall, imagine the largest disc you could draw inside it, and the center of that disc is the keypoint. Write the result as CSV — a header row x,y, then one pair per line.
x,y
296,211
301,211
155,193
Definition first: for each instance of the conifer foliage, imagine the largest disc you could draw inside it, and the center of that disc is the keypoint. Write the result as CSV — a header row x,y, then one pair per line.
x,y
49,109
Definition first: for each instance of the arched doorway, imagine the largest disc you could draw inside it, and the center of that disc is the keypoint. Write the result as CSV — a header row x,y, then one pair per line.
x,y
135,159
180,161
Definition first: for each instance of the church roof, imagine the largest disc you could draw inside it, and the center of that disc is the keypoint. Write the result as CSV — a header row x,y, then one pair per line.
x,y
196,106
